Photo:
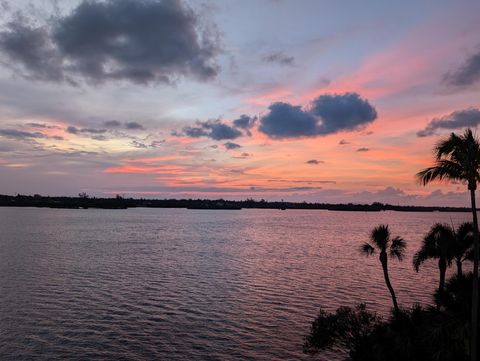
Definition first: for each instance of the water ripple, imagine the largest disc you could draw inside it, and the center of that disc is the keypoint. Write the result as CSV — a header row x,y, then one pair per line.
x,y
176,284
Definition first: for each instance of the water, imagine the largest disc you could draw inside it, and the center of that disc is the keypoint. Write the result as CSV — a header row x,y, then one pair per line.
x,y
177,284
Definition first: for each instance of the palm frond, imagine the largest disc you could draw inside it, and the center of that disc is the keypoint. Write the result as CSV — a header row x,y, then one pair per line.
x,y
464,230
443,170
380,236
367,249
464,239
418,258
447,146
398,247
457,157
469,254
438,242
445,241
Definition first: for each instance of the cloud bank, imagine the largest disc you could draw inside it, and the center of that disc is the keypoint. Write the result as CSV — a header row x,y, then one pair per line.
x,y
137,41
328,114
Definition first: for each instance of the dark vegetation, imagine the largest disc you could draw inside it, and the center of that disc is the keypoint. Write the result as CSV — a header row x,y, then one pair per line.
x,y
440,333
119,202
446,332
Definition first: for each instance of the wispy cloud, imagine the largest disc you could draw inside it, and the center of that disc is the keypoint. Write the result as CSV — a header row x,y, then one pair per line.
x,y
456,120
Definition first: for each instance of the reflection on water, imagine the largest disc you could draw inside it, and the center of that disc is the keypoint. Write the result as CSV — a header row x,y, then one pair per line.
x,y
182,284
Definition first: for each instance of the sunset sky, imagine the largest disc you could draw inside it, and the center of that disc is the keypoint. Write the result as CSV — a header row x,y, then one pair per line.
x,y
328,101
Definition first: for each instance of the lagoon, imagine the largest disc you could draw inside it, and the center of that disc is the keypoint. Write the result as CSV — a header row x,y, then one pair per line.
x,y
178,284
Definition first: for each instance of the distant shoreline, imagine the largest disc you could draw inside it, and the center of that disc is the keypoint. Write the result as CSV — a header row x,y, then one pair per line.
x,y
118,202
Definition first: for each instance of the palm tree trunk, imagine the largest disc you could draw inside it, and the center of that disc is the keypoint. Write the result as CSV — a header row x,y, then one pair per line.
x,y
473,349
459,267
383,261
442,266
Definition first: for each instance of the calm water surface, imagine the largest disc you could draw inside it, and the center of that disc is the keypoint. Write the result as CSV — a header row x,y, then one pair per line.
x,y
177,284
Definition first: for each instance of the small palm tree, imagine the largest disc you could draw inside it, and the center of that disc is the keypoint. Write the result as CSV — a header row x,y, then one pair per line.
x,y
380,241
463,245
438,243
458,158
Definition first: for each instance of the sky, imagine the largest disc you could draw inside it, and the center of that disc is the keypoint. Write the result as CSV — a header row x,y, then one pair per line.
x,y
318,101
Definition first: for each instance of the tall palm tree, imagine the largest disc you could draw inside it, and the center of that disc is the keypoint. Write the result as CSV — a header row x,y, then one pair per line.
x,y
380,241
463,245
438,243
458,158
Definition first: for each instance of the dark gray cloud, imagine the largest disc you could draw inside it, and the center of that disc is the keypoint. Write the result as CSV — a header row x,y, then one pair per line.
x,y
126,125
20,134
213,129
467,74
137,144
144,145
343,142
363,149
455,120
4,5
342,112
92,130
112,124
31,47
245,122
231,145
42,126
314,161
157,143
72,130
288,121
328,114
75,130
134,126
99,137
279,58
138,41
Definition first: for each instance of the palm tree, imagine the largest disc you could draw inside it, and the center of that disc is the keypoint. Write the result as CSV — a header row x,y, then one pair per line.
x,y
458,158
382,242
463,245
439,244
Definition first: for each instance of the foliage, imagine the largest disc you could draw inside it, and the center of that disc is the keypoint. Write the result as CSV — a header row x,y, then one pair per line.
x,y
346,328
439,242
456,158
416,334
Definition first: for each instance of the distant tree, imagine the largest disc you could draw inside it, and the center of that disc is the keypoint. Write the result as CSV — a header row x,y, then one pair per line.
x,y
381,241
438,243
83,195
458,158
